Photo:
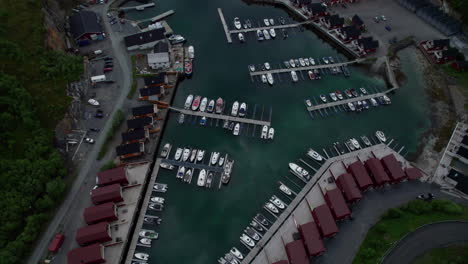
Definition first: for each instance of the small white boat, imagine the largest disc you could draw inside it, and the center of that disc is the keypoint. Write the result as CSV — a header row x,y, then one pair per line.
x,y
203,121
221,161
312,61
201,178
166,166
142,256
363,90
270,79
236,130
176,39
264,132
351,107
267,65
145,241
277,202
374,102
271,133
148,234
242,109
193,156
157,199
301,62
203,104
308,103
306,61
271,207
234,251
178,154
214,158
291,62
181,173
188,101
299,171
355,143
264,78
381,136
252,67
251,233
235,108
272,33
188,175
294,76
387,99
93,102
241,37
285,189
237,23
267,22
165,150
191,52
210,106
186,154
314,155
272,21
333,97
247,240
200,155
266,34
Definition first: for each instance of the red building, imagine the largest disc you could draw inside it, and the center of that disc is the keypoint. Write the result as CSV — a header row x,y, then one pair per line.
x,y
393,168
91,234
325,221
315,11
93,254
99,213
85,27
110,193
296,252
115,175
436,44
348,187
376,170
312,240
361,176
337,204
413,173
131,150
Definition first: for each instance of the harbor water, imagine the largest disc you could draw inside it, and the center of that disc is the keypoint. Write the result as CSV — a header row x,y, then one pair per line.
x,y
200,225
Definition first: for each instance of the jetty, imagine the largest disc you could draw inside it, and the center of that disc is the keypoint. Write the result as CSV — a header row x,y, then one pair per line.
x,y
306,68
222,117
138,7
157,18
246,30
223,21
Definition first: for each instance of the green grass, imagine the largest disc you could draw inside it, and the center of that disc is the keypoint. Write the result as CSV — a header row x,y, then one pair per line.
x,y
117,121
133,89
455,254
398,222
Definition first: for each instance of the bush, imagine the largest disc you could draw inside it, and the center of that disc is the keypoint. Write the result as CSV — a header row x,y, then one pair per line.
x,y
393,213
418,207
447,207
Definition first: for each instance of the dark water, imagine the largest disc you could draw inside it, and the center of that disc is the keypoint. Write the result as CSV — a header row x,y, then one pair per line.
x,y
200,225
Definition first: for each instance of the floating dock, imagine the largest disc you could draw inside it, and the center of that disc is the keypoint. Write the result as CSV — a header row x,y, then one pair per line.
x,y
138,7
223,21
246,30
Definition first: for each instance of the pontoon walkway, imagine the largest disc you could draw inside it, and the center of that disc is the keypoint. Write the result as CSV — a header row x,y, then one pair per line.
x,y
222,117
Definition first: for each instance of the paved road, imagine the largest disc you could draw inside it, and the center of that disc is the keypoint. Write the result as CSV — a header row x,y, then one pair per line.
x,y
69,213
426,238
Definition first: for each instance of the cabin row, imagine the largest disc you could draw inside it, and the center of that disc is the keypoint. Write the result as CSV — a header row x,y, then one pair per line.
x,y
439,51
358,178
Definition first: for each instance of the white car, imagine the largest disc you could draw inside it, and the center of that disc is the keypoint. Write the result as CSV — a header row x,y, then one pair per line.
x,y
89,140
93,102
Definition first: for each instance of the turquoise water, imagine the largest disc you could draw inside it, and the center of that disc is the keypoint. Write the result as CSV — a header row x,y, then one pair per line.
x,y
200,225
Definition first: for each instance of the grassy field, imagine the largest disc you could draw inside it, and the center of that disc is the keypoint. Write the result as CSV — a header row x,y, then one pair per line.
x,y
398,222
455,254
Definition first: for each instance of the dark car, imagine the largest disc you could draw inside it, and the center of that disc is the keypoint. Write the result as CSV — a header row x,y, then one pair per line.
x,y
99,114
109,65
108,59
388,28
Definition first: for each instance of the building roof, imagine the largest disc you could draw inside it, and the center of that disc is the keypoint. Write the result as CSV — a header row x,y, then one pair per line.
x,y
93,233
413,173
155,80
337,204
368,43
136,134
154,58
99,213
441,42
351,31
360,174
153,90
335,20
84,22
126,149
139,122
296,252
93,254
160,47
316,8
281,262
145,37
110,193
302,2
377,171
357,20
450,53
144,110
324,220
393,167
349,187
312,240
115,175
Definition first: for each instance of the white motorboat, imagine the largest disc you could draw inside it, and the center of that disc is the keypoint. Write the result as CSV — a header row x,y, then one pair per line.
x,y
200,154
221,161
272,21
185,154
201,178
323,98
176,39
256,226
267,22
142,256
160,187
294,76
299,171
237,23
374,102
181,172
381,136
188,175
260,36
387,99
264,132
267,66
333,97
308,103
165,150
242,109
145,241
350,145
251,233
236,130
301,62
231,259
314,155
235,108
270,79
203,104
193,156
312,61
188,101
234,251
214,158
148,234
291,62
306,61
285,189
277,202
191,52
272,33
264,78
355,143
210,106
241,37
351,107
363,90
157,199
178,154
311,75
366,141
166,166
271,133
266,34
247,240
252,67
271,207
196,103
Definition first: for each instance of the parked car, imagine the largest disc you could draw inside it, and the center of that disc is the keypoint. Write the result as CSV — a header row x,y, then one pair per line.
x,y
89,140
376,19
108,59
99,114
388,28
109,15
108,69
383,18
112,22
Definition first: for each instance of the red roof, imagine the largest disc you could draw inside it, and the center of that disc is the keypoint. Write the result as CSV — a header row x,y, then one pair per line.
x,y
324,220
377,171
56,243
337,204
360,174
110,193
349,188
413,173
296,252
115,175
94,233
393,168
312,240
281,262
99,213
93,254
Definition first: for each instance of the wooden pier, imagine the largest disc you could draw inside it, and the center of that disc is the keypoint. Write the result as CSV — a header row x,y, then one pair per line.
x,y
157,18
222,117
138,7
246,30
223,21
198,166
306,68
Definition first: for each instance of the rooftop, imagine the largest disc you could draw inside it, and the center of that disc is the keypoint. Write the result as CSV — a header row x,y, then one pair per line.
x,y
145,37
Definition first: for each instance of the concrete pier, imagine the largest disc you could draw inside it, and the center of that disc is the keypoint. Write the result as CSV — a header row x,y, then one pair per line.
x,y
306,68
222,117
223,21
138,7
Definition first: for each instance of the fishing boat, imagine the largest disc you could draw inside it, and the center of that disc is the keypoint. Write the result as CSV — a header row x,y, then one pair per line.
x,y
235,108
270,79
157,199
165,150
188,175
203,121
267,22
191,52
381,136
196,103
247,240
366,141
221,161
142,256
333,97
264,78
251,233
201,178
301,62
252,67
285,189
188,101
355,143
308,103
234,251
200,154
271,133
166,166
181,172
214,158
315,155
256,226
299,171
294,76
260,36
264,132
311,75
351,107
269,206
148,234
210,106
203,104
266,34
185,154
277,202
193,156
178,154
219,105
323,98
242,110
145,241
272,33
291,62
237,23
236,129
241,37
339,95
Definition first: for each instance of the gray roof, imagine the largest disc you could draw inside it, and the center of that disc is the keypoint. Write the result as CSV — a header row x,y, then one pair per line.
x,y
84,22
145,37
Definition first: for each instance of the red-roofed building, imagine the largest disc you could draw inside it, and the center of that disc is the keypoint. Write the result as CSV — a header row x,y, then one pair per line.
x,y
109,193
100,213
97,233
376,170
93,254
413,173
116,175
393,168
296,252
312,240
361,176
348,187
56,243
324,220
337,204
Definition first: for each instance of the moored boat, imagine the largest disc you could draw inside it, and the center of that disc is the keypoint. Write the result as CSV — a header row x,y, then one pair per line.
x,y
219,105
264,132
271,133
214,158
166,166
291,62
188,101
271,207
203,104
236,130
237,23
235,108
201,178
314,155
200,154
165,150
191,52
210,106
264,78
270,79
266,34
294,76
381,136
148,234
142,256
180,173
178,154
242,110
272,33
285,189
185,154
311,75
196,103
193,155
299,171
241,37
